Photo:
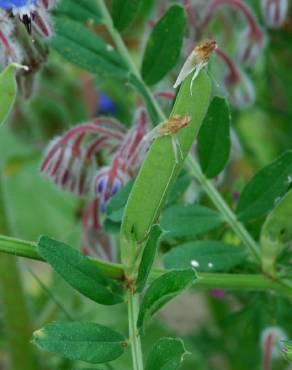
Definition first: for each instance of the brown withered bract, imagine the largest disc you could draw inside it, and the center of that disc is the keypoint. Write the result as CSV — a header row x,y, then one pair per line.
x,y
173,124
204,49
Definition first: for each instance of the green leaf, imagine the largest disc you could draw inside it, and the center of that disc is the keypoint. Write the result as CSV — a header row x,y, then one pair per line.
x,y
80,272
160,170
82,47
266,188
8,90
214,138
189,220
205,256
124,11
164,45
79,10
162,290
276,232
87,342
166,354
148,257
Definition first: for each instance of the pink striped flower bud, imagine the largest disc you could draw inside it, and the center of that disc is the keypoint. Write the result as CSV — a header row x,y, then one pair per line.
x,y
108,182
237,83
95,241
274,12
70,159
250,45
271,344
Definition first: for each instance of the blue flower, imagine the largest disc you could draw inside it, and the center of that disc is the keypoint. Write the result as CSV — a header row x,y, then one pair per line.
x,y
12,4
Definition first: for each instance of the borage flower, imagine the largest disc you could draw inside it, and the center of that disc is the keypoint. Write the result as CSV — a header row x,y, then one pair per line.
x,y
30,12
72,161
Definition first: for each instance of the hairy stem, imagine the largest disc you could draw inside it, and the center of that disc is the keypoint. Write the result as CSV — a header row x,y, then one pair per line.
x,y
15,309
136,350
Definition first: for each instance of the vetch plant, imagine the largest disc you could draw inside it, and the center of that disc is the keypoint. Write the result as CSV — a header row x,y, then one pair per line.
x,y
156,223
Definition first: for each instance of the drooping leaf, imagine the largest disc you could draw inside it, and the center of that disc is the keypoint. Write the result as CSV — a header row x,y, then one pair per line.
x,y
162,290
79,10
205,255
80,272
124,12
166,354
82,47
82,341
164,45
266,188
189,220
8,90
276,232
160,170
214,138
148,257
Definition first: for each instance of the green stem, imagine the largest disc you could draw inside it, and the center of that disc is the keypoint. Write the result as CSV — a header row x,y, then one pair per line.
x,y
223,208
193,167
206,280
123,51
136,350
24,248
15,309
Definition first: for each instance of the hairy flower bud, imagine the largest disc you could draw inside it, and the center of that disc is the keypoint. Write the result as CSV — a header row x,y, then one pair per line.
x,y
250,46
274,12
241,91
271,340
239,86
